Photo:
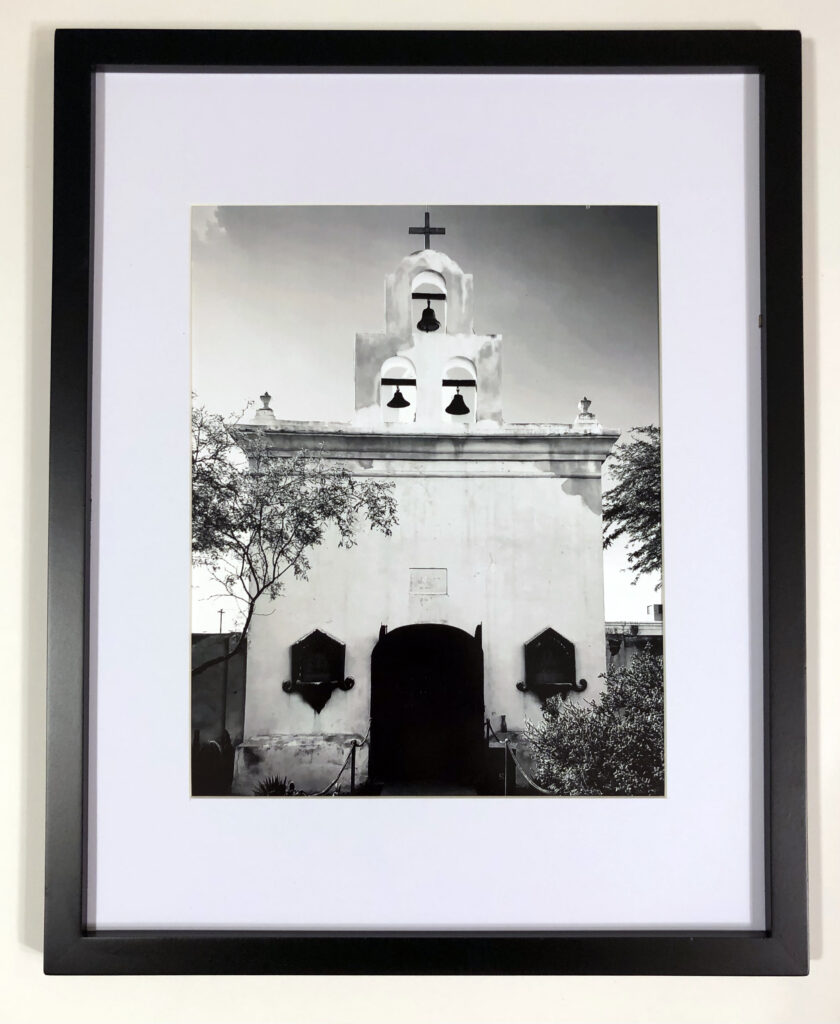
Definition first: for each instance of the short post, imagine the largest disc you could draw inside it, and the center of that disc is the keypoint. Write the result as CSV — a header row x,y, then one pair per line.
x,y
353,768
510,770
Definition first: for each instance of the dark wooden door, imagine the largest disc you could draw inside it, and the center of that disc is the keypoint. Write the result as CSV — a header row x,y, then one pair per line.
x,y
427,706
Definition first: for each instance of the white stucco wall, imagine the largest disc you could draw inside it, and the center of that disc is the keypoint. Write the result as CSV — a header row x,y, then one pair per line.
x,y
521,553
512,513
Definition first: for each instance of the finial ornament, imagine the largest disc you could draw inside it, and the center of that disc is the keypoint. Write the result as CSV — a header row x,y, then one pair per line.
x,y
586,422
265,416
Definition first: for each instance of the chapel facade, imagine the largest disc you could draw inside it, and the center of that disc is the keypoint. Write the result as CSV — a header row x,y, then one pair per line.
x,y
486,599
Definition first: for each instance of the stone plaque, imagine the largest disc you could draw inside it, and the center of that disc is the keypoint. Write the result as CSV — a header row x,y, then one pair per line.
x,y
427,581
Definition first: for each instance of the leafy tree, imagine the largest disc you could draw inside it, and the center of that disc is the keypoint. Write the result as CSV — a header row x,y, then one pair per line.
x,y
615,747
633,505
257,516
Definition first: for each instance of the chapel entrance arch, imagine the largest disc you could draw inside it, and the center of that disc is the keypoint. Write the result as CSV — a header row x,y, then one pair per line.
x,y
427,706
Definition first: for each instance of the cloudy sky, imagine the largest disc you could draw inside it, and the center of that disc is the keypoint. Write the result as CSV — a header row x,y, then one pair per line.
x,y
280,292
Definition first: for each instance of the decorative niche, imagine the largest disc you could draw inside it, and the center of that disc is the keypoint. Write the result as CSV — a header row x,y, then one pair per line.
x,y
550,667
317,669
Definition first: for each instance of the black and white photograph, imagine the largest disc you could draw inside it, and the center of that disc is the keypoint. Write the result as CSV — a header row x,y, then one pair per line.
x,y
426,515
426,425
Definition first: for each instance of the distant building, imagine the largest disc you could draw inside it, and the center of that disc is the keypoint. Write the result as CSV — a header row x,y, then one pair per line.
x,y
218,694
217,711
624,639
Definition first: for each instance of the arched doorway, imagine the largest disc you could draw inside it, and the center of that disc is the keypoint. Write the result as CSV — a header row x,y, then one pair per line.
x,y
427,706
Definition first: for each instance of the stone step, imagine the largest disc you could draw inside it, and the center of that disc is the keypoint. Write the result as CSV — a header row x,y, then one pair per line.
x,y
426,789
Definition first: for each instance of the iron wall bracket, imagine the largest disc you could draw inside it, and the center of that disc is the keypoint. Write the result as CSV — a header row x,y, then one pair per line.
x,y
545,690
316,695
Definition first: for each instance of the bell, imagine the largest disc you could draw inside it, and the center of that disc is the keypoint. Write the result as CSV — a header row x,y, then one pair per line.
x,y
457,407
428,321
398,401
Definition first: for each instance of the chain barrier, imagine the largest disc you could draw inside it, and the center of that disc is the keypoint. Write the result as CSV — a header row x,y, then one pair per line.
x,y
508,751
354,746
525,775
489,729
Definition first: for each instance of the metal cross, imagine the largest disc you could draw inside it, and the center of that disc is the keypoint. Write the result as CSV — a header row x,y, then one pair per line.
x,y
427,230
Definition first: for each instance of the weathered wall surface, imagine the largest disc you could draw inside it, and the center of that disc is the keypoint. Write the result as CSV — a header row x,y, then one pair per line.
x,y
218,695
309,761
476,528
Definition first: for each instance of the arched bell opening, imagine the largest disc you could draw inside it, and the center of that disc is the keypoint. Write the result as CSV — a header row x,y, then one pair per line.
x,y
459,393
428,303
398,390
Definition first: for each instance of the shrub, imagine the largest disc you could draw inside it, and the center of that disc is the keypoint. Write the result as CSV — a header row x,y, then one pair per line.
x,y
612,747
273,785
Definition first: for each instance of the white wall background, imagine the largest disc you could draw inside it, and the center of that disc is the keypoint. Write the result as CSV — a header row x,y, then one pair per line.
x,y
25,995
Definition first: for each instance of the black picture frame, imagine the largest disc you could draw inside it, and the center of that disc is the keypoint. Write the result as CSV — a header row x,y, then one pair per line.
x,y
780,949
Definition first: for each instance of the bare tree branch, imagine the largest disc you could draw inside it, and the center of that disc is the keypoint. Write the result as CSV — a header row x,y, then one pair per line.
x,y
256,515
